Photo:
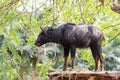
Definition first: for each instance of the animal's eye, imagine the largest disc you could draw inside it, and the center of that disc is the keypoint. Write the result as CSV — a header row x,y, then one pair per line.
x,y
43,32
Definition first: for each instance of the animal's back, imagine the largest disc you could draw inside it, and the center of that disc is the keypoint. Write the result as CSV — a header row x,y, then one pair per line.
x,y
81,35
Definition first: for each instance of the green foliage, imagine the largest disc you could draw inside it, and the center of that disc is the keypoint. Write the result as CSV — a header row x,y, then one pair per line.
x,y
20,22
86,57
112,51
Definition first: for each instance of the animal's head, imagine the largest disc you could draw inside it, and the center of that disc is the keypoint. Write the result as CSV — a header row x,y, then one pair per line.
x,y
44,36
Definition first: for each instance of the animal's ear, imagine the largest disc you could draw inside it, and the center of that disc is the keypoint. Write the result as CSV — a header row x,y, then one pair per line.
x,y
43,30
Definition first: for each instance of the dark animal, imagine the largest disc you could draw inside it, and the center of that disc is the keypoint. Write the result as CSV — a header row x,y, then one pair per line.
x,y
72,36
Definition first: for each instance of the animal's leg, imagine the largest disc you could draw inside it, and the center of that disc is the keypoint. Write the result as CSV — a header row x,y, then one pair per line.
x,y
66,53
95,56
73,63
102,63
65,63
99,48
73,50
96,63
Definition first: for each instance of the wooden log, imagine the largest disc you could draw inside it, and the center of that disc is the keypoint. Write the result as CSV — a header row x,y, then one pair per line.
x,y
107,75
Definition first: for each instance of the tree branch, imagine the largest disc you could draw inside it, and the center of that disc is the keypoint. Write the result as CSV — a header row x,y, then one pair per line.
x,y
111,26
81,12
116,7
114,37
37,61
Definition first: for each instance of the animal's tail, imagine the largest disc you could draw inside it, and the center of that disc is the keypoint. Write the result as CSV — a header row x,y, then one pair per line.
x,y
103,37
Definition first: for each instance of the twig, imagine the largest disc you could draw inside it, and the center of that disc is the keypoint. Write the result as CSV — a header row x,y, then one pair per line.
x,y
40,6
114,37
38,56
24,8
111,26
63,4
9,5
81,12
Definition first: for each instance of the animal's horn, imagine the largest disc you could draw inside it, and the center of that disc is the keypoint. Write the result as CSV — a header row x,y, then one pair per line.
x,y
41,28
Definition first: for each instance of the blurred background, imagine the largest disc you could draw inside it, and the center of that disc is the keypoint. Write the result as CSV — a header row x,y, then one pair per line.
x,y
20,22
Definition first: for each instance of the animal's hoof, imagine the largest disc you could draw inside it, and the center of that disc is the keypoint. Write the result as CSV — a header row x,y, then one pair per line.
x,y
102,70
96,70
73,69
64,69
